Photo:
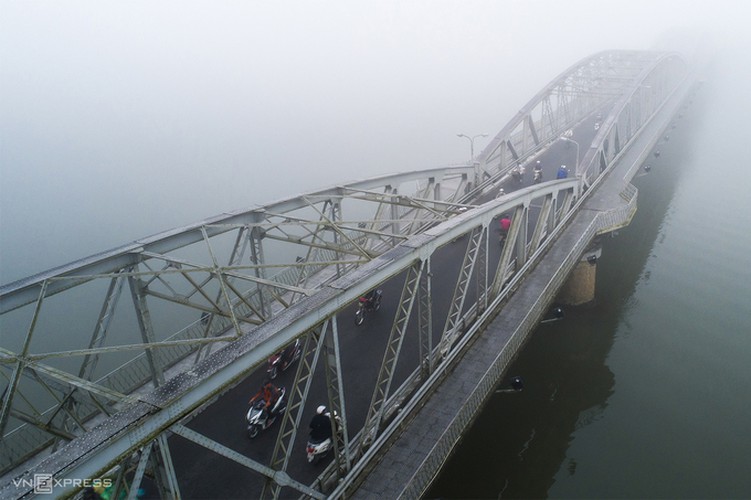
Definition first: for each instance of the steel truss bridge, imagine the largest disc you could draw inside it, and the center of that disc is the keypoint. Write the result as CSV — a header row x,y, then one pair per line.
x,y
106,362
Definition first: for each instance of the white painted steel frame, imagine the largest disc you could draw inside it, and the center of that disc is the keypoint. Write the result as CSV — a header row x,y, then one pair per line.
x,y
615,133
168,404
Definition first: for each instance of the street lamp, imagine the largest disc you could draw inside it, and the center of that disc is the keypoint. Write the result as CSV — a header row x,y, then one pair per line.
x,y
576,167
471,144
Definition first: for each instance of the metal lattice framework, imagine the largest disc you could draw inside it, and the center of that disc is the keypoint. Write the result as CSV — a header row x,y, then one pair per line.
x,y
99,382
590,86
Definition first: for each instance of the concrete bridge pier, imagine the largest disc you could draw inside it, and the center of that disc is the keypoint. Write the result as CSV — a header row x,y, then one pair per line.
x,y
579,289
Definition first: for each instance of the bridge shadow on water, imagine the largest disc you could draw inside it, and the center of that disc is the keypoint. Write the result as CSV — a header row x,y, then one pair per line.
x,y
518,444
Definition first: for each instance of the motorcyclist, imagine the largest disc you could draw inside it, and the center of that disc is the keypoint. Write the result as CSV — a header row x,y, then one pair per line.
x,y
288,353
562,172
320,425
269,393
369,298
537,177
505,226
518,173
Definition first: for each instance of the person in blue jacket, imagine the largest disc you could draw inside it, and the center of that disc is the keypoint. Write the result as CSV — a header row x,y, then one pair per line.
x,y
562,172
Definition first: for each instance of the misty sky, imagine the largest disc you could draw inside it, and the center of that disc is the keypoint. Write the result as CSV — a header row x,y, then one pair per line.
x,y
122,119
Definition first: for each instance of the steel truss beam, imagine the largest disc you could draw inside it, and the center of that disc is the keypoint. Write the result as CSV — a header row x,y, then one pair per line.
x,y
411,257
376,409
279,477
350,244
306,304
25,291
580,90
425,318
10,389
453,325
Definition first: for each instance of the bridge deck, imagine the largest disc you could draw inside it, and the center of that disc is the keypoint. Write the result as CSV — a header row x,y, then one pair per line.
x,y
406,469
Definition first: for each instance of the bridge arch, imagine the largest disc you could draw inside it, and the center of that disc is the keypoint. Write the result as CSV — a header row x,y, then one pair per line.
x,y
313,318
613,80
257,299
647,93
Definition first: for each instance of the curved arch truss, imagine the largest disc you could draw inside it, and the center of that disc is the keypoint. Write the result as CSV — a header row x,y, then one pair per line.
x,y
597,85
103,359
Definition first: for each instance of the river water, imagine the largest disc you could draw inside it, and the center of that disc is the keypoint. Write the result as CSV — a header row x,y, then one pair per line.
x,y
646,392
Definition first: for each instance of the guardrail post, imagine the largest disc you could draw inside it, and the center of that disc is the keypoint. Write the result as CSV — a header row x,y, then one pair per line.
x,y
425,318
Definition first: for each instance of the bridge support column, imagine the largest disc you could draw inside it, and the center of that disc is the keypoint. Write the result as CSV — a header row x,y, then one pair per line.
x,y
580,287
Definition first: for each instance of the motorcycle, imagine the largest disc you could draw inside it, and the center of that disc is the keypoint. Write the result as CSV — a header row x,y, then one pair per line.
x,y
518,174
317,449
537,177
371,304
284,359
259,418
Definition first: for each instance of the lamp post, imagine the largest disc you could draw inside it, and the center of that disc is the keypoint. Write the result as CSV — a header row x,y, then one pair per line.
x,y
576,167
471,144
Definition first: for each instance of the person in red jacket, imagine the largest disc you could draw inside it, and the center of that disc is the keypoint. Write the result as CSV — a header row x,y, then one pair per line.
x,y
269,393
505,225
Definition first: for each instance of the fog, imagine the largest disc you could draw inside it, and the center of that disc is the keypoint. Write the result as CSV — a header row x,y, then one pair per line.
x,y
123,119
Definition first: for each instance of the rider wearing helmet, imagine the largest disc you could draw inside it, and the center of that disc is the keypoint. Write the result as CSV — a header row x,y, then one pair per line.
x,y
320,426
562,172
538,172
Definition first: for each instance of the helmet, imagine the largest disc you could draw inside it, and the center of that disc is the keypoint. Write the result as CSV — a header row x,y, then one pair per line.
x,y
538,162
320,409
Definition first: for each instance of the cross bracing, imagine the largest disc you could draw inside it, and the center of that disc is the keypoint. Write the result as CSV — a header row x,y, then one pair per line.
x,y
182,269
346,292
253,281
410,455
590,86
